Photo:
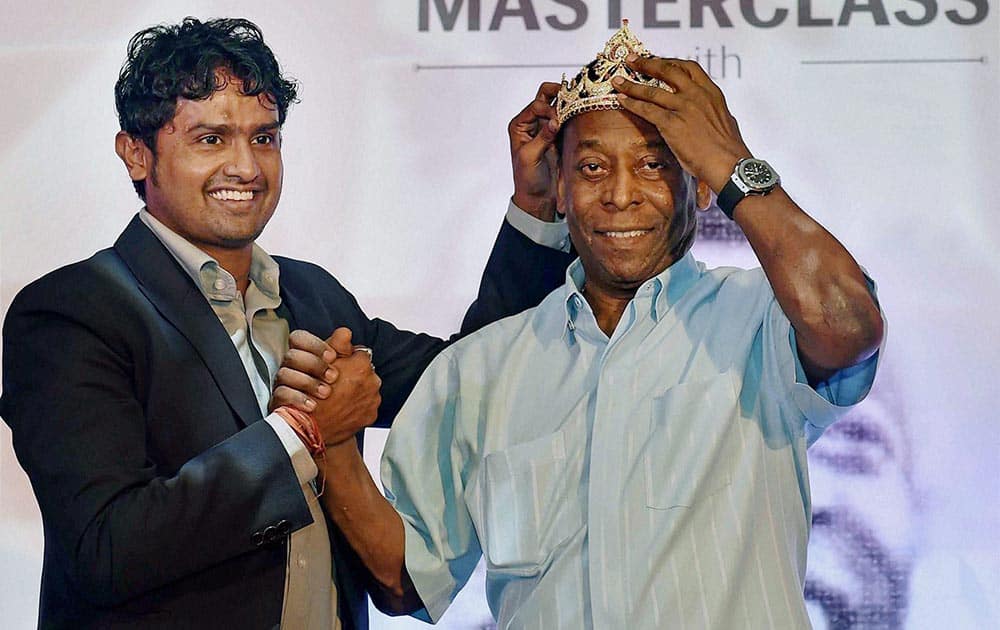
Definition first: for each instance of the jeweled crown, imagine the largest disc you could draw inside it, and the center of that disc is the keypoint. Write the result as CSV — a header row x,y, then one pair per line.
x,y
591,88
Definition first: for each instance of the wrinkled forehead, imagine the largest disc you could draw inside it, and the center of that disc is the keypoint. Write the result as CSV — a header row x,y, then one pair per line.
x,y
609,129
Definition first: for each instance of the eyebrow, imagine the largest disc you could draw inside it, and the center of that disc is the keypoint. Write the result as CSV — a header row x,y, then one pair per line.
x,y
226,129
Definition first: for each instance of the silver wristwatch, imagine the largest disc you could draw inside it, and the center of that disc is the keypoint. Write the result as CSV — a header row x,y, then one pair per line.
x,y
750,177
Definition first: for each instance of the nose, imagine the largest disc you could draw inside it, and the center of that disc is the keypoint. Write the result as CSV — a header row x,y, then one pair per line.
x,y
621,191
242,163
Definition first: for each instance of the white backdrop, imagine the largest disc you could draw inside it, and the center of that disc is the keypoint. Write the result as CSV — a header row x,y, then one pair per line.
x,y
397,175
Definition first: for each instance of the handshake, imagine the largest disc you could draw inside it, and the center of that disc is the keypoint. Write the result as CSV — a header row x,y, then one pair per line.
x,y
332,381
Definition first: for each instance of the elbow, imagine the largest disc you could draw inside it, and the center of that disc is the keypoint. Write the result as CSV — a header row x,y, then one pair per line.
x,y
849,335
98,576
396,605
396,595
863,332
396,601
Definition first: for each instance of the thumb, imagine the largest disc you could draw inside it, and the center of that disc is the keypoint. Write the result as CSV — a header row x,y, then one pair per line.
x,y
340,341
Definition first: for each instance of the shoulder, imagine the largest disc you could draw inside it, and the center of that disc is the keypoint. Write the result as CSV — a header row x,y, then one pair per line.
x,y
102,276
299,267
306,276
735,278
528,331
734,287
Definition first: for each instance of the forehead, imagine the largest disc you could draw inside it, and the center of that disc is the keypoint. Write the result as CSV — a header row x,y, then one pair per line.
x,y
609,130
227,106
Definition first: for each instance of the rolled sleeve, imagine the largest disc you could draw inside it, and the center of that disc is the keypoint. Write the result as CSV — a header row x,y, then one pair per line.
x,y
551,234
430,576
424,475
828,400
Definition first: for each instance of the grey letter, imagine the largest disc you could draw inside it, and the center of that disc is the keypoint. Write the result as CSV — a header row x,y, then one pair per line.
x,y
524,9
750,15
982,9
875,7
448,16
806,18
930,12
581,16
649,15
698,13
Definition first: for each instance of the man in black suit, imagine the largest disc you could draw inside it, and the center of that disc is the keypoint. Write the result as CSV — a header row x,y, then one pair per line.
x,y
136,383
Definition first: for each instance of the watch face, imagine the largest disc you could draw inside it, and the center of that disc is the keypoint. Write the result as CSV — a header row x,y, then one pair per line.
x,y
758,175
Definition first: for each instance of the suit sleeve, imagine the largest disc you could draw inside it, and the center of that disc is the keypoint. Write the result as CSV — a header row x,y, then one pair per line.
x,y
120,524
518,275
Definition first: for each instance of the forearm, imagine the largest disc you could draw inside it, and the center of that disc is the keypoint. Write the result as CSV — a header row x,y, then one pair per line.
x,y
816,281
371,526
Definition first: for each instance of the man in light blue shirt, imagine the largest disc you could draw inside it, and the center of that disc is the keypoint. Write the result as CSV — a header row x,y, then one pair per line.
x,y
632,452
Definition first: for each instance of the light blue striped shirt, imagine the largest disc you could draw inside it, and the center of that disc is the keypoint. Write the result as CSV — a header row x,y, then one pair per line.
x,y
656,479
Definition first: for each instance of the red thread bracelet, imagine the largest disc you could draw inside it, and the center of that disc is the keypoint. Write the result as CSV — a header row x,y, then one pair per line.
x,y
308,431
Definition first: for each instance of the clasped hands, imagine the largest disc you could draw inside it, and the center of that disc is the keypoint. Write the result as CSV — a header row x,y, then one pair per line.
x,y
332,380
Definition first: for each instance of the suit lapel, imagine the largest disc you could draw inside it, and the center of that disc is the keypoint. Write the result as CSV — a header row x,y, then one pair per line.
x,y
176,297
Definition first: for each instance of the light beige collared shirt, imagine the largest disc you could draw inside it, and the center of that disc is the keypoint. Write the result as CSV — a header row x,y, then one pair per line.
x,y
261,339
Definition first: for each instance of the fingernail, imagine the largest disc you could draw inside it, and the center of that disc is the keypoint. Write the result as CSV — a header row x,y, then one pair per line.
x,y
309,404
323,390
631,57
329,376
553,124
617,81
329,356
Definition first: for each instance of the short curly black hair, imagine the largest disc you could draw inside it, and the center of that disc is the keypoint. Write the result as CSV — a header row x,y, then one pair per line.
x,y
168,62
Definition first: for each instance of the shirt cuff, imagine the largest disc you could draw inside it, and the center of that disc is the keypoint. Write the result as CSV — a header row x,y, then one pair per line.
x,y
302,462
429,575
551,234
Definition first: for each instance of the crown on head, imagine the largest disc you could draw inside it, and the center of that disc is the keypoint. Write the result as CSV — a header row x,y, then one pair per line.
x,y
591,88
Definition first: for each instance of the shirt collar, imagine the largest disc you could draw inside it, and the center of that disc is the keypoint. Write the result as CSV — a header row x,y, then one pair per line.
x,y
215,282
676,279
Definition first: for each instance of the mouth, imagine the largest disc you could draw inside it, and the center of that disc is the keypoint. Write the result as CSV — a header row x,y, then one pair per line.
x,y
623,234
232,194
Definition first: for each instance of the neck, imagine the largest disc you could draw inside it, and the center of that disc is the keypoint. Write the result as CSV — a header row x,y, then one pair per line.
x,y
235,261
608,306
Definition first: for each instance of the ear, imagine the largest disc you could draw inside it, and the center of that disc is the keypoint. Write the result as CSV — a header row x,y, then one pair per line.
x,y
703,196
135,154
560,194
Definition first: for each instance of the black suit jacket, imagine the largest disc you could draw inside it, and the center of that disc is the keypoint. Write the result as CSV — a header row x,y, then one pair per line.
x,y
134,419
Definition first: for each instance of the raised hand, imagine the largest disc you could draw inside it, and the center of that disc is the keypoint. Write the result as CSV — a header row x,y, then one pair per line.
x,y
693,118
532,133
332,381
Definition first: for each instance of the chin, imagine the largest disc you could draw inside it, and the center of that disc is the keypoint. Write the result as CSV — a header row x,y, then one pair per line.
x,y
632,277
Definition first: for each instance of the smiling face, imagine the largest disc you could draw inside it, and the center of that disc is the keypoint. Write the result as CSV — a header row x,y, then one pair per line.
x,y
628,204
216,175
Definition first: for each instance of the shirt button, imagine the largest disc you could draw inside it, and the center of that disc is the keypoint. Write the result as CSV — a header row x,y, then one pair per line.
x,y
301,561
220,284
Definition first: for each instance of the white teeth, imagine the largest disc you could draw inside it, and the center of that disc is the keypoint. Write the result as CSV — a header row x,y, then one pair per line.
x,y
629,234
232,195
